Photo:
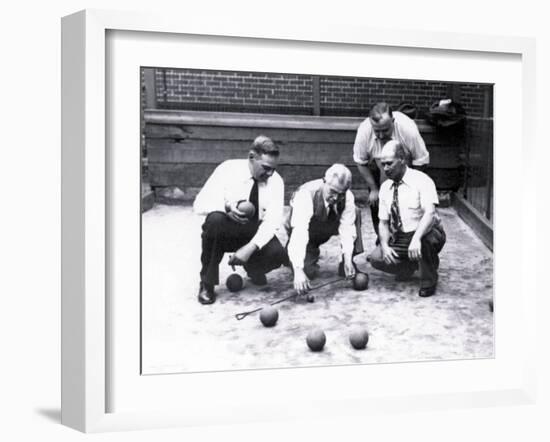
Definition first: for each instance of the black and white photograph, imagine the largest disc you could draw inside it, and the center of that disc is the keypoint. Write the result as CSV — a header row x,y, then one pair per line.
x,y
233,221
292,220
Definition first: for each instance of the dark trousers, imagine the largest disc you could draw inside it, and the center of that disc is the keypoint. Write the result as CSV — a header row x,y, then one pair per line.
x,y
320,233
431,244
220,235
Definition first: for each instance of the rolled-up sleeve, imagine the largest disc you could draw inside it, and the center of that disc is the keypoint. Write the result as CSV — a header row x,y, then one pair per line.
x,y
302,211
361,146
416,145
428,193
273,215
346,229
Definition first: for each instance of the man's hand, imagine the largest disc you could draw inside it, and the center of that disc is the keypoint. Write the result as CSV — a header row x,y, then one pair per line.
x,y
242,255
415,249
349,268
389,255
301,281
373,197
236,215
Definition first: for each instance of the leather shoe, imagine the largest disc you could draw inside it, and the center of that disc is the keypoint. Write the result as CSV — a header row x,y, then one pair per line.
x,y
206,295
427,291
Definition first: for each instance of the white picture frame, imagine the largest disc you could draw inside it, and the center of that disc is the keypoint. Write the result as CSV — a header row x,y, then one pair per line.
x,y
87,210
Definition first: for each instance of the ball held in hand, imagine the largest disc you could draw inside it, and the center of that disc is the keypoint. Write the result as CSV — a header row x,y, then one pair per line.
x,y
247,208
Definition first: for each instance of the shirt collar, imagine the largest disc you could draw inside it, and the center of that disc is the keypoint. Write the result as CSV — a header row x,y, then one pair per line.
x,y
404,179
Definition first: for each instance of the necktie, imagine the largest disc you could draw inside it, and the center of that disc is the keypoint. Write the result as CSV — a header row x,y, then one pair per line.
x,y
396,225
253,198
332,213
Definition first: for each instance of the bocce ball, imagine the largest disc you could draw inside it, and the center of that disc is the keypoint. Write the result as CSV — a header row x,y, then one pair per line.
x,y
247,208
269,316
316,340
359,338
310,298
361,281
234,282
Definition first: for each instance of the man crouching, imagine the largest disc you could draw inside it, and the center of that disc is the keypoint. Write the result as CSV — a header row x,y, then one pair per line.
x,y
320,209
228,229
410,230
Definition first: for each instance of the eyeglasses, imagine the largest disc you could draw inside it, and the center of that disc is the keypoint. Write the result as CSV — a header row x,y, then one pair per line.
x,y
336,192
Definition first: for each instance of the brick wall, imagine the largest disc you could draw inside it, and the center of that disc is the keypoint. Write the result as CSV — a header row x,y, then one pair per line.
x,y
232,91
355,96
293,94
473,96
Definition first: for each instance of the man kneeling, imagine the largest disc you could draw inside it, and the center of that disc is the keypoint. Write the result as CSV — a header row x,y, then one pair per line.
x,y
228,229
411,235
320,209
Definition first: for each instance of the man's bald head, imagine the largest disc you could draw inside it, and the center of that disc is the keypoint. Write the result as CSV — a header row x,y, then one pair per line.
x,y
395,149
393,159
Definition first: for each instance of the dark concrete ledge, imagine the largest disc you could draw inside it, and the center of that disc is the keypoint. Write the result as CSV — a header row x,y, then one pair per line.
x,y
475,220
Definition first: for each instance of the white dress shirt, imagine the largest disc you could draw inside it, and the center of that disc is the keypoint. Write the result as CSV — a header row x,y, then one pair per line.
x,y
231,182
415,194
302,211
367,147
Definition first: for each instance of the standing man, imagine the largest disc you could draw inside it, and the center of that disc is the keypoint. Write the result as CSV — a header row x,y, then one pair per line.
x,y
320,209
410,231
381,126
227,229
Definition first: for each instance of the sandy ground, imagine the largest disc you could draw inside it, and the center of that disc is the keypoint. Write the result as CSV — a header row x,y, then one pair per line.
x,y
181,335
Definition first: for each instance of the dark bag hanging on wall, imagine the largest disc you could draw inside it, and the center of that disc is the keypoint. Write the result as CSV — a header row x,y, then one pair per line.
x,y
446,114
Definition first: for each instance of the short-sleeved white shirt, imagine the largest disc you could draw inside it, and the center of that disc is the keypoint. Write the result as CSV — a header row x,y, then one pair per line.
x,y
415,193
367,147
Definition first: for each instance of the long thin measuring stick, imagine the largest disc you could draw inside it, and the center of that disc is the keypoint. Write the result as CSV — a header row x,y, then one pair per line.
x,y
243,315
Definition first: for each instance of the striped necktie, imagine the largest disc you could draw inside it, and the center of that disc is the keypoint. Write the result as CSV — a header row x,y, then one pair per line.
x,y
396,225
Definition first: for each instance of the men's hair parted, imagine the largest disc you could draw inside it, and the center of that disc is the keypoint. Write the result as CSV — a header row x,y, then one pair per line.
x,y
340,173
378,110
263,145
